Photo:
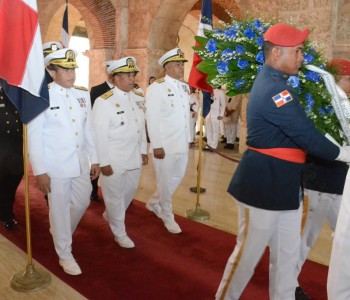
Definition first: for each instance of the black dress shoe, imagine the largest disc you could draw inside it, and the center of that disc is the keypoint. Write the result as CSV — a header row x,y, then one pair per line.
x,y
300,294
224,140
229,146
9,224
94,197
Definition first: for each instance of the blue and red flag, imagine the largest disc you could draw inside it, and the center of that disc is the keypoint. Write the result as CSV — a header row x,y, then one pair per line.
x,y
22,71
196,78
64,31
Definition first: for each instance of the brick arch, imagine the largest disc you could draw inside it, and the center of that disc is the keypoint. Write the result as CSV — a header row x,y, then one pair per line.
x,y
171,13
99,17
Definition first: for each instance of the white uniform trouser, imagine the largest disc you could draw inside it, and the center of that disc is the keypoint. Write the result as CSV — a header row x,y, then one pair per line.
x,y
169,173
68,200
281,231
231,128
338,282
233,257
320,207
118,191
212,125
193,127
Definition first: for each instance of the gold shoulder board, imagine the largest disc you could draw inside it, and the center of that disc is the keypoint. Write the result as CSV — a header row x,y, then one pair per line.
x,y
80,88
137,93
160,80
106,95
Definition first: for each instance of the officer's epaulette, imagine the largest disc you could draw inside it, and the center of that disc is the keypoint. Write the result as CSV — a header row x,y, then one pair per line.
x,y
136,86
160,80
137,93
106,95
80,88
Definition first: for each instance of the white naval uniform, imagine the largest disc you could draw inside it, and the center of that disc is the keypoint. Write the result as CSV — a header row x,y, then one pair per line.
x,y
167,113
231,121
121,139
61,144
195,105
212,124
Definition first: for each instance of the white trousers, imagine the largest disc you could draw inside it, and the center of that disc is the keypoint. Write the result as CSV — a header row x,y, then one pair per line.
x,y
281,231
231,128
232,259
118,191
321,206
68,200
212,125
338,282
193,127
169,173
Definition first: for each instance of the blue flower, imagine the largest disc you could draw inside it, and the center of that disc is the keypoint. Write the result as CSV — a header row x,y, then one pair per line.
x,y
260,41
211,45
259,68
308,58
329,109
309,100
322,111
242,64
239,83
249,33
260,57
294,81
227,52
240,49
222,67
312,76
257,24
218,31
230,33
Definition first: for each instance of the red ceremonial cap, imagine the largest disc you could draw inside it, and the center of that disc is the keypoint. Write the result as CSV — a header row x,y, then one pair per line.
x,y
285,35
341,66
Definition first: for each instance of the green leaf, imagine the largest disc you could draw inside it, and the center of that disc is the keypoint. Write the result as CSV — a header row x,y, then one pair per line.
x,y
201,40
207,67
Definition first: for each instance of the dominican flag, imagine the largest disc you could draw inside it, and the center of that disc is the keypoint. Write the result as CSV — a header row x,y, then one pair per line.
x,y
64,31
22,71
197,79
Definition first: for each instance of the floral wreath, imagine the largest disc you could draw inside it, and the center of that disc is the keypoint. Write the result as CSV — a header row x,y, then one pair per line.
x,y
233,56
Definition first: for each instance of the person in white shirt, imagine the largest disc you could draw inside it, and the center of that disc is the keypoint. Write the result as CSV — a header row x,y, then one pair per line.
x,y
194,109
232,110
212,121
62,153
168,123
121,142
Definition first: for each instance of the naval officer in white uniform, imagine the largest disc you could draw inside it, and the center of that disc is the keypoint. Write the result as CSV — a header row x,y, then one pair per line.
x,y
121,142
168,122
63,155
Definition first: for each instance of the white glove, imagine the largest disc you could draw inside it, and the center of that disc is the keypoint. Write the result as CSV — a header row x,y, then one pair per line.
x,y
344,154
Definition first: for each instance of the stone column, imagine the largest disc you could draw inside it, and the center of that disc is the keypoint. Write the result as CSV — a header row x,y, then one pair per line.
x,y
96,70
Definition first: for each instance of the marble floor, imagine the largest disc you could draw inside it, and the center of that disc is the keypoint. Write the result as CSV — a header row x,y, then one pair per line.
x,y
215,176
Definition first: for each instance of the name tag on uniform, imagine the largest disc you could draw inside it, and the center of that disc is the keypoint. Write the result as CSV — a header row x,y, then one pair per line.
x,y
170,94
55,107
120,112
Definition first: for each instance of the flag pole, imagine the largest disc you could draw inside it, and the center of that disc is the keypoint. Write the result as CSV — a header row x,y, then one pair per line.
x,y
199,214
32,279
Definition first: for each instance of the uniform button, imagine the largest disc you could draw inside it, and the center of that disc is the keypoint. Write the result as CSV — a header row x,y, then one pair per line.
x,y
73,120
8,131
6,113
135,120
7,122
138,131
16,121
17,129
70,107
77,146
67,96
76,133
133,109
1,97
16,112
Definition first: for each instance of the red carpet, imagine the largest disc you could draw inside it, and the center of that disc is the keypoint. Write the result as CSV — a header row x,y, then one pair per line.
x,y
162,266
